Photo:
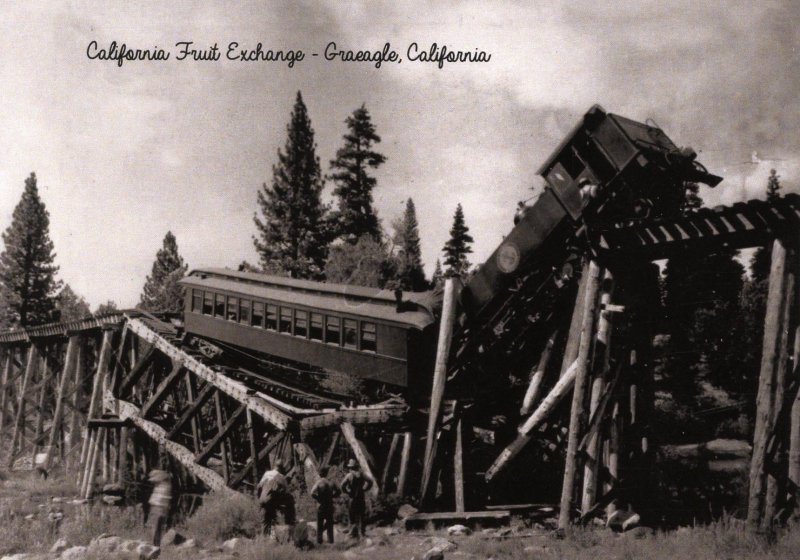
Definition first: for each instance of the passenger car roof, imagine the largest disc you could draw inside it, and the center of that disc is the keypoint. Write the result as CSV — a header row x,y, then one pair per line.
x,y
340,298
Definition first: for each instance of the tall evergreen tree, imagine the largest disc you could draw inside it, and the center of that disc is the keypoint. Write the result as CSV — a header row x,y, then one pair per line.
x,y
27,272
71,306
458,246
161,291
760,262
356,216
438,275
367,263
292,239
410,271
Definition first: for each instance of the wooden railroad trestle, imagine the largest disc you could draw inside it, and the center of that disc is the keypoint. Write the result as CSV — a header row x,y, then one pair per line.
x,y
110,398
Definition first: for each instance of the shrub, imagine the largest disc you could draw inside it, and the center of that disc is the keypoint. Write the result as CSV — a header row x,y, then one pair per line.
x,y
224,516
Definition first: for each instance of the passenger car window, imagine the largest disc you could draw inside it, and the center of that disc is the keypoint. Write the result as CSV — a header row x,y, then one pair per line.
x,y
285,325
258,314
350,333
244,311
272,317
197,301
208,303
233,309
369,342
332,330
300,323
316,326
219,306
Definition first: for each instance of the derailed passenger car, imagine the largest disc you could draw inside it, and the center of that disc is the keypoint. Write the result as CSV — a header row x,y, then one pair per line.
x,y
365,332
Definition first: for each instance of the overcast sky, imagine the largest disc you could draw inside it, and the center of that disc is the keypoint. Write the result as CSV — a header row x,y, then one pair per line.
x,y
124,154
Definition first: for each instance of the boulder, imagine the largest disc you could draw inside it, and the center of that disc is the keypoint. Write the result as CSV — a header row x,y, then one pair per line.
x,y
105,544
59,546
440,543
147,551
172,538
458,530
74,553
233,545
112,500
621,521
187,544
405,511
434,554
282,534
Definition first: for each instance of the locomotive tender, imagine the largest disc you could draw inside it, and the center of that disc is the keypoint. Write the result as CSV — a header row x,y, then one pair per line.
x,y
366,332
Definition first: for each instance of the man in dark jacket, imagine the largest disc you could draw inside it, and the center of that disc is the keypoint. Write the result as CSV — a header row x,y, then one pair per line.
x,y
355,485
324,491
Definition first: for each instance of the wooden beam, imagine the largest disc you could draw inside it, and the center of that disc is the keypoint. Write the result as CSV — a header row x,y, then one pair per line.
x,y
234,389
535,385
239,477
326,461
136,371
349,433
30,367
46,375
101,370
77,412
766,384
458,467
794,429
7,367
161,392
66,375
405,458
599,373
251,438
191,393
388,465
189,413
439,379
185,457
578,394
203,456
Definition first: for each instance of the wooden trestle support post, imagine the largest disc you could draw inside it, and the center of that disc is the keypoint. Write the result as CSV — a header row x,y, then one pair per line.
x,y
777,424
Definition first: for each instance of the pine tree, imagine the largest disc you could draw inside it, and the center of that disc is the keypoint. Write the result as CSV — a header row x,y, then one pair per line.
x,y
292,239
70,306
367,263
438,275
161,291
458,246
410,271
760,262
27,272
356,216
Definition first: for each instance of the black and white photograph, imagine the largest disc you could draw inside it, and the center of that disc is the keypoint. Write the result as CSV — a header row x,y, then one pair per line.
x,y
383,280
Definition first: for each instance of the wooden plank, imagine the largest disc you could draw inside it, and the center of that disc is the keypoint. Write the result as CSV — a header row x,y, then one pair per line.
x,y
578,393
234,389
441,518
66,375
161,392
224,430
379,414
191,393
349,433
251,438
766,383
794,429
185,457
439,379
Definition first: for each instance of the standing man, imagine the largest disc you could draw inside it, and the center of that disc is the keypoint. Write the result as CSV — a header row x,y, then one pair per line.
x,y
356,485
324,491
160,501
274,495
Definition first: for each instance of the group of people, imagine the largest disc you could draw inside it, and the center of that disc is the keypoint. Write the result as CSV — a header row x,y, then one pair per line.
x,y
274,496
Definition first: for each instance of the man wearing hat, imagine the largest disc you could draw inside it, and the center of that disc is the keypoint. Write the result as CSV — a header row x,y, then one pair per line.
x,y
356,485
160,501
274,495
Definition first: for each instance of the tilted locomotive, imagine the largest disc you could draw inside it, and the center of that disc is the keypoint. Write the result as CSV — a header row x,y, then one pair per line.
x,y
608,169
